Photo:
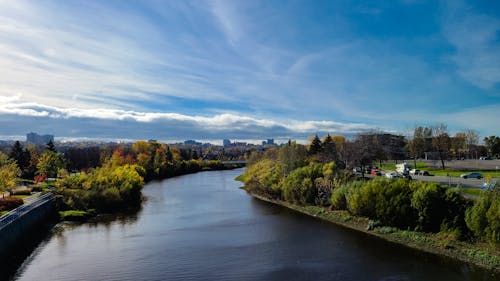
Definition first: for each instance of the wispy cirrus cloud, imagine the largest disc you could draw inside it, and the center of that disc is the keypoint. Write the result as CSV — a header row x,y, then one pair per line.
x,y
239,64
476,40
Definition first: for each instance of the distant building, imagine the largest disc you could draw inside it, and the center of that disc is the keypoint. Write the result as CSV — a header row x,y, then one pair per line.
x,y
226,142
39,139
392,145
269,142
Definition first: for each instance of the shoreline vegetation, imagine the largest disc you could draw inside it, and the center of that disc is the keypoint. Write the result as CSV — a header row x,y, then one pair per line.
x,y
89,181
84,196
427,216
479,254
116,186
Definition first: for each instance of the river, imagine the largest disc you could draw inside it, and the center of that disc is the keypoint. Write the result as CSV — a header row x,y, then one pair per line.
x,y
203,227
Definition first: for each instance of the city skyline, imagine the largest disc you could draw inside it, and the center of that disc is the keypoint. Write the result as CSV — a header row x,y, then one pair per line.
x,y
247,70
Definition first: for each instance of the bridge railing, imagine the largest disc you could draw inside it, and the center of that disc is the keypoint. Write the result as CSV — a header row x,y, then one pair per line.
x,y
24,209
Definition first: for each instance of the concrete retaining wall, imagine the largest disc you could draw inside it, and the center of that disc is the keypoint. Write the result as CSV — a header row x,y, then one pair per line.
x,y
17,224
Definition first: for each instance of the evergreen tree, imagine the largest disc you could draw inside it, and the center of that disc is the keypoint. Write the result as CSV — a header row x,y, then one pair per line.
x,y
315,146
169,155
17,154
329,150
51,147
21,156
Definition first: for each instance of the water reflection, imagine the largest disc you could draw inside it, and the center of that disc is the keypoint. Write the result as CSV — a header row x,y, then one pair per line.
x,y
203,227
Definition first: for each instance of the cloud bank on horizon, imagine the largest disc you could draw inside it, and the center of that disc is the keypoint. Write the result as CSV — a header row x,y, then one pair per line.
x,y
112,123
246,69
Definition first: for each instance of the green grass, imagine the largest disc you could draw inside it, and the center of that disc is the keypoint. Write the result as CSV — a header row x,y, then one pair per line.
x,y
241,178
22,196
3,213
472,191
75,215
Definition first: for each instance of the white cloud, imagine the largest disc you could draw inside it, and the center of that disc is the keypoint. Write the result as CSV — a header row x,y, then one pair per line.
x,y
91,60
53,54
475,37
482,118
228,20
222,123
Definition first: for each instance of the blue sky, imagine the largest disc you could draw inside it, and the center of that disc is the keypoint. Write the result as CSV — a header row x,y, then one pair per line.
x,y
247,69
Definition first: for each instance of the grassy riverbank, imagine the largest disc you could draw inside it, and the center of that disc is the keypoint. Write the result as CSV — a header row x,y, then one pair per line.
x,y
480,254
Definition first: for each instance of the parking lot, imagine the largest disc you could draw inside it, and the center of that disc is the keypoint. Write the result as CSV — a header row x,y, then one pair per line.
x,y
466,165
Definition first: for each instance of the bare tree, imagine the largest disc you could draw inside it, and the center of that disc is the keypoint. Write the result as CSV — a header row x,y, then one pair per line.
x,y
416,144
471,141
458,144
441,141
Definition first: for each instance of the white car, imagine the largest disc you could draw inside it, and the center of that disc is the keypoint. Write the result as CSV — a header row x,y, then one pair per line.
x,y
414,172
392,175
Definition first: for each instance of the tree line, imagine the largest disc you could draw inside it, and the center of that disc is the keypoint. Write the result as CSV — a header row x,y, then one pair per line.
x,y
99,178
311,175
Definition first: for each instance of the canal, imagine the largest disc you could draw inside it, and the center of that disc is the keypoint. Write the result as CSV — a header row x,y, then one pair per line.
x,y
203,227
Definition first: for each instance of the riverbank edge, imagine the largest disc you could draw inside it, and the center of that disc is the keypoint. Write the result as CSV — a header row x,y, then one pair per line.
x,y
440,244
74,215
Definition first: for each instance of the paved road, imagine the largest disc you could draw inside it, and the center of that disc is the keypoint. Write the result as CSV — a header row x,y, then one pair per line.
x,y
452,181
32,198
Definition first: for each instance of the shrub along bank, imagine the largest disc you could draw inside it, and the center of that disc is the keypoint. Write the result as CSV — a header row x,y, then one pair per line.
x,y
116,186
402,205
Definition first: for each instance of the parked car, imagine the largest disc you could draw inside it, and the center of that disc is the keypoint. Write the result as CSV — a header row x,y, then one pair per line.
x,y
406,176
357,170
424,173
472,176
392,175
414,172
375,172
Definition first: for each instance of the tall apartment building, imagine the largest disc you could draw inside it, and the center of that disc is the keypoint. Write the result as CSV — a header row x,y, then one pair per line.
x,y
38,139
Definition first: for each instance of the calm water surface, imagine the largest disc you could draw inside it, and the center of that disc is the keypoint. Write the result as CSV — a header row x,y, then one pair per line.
x,y
203,227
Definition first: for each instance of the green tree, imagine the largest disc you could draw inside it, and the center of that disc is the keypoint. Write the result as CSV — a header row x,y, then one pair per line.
x,y
427,201
492,144
50,146
483,219
34,154
329,150
169,155
9,173
315,146
299,187
49,163
20,156
292,156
